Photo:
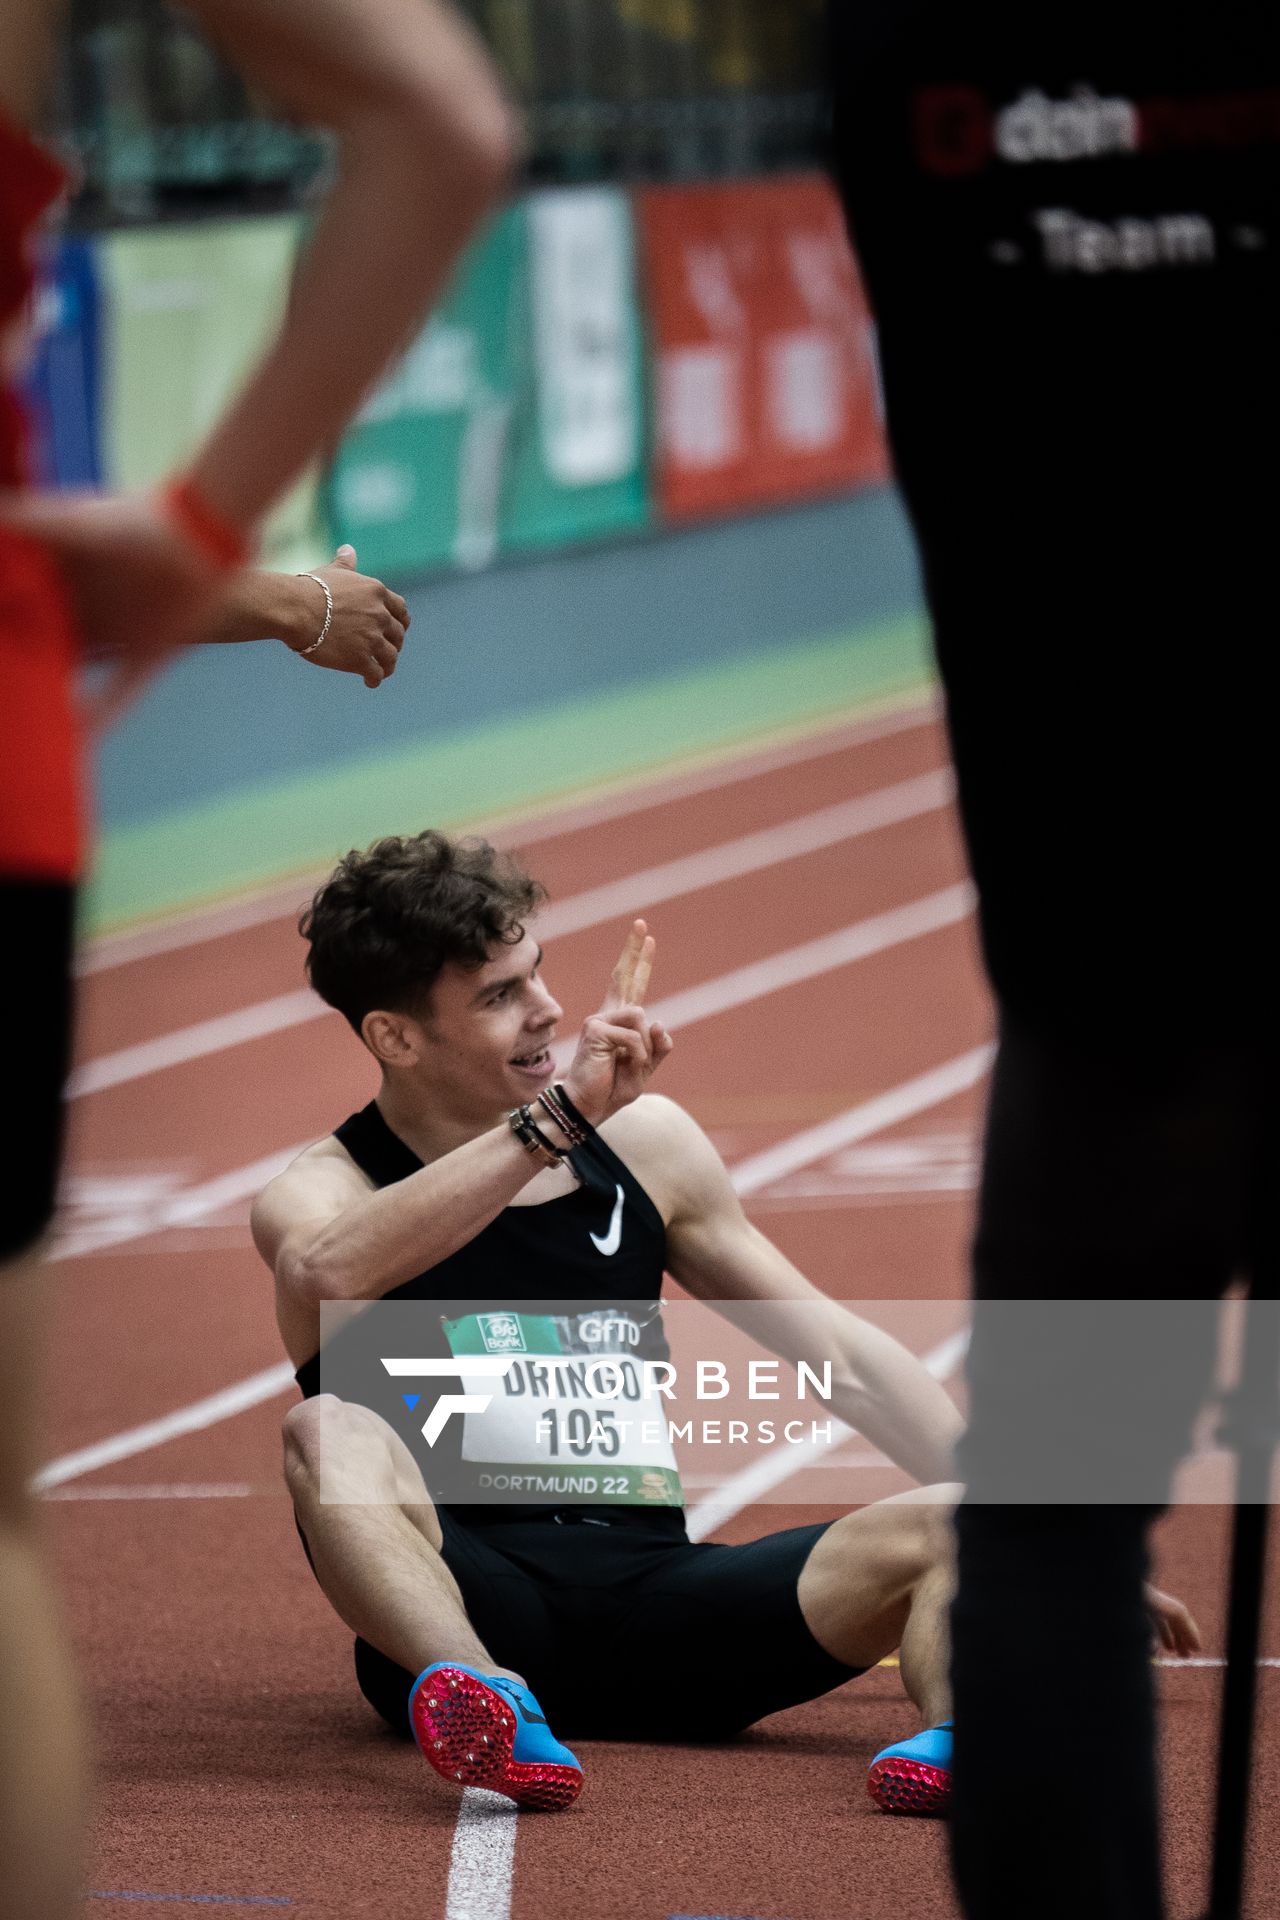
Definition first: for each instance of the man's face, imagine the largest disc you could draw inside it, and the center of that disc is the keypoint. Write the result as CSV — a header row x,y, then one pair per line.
x,y
487,1041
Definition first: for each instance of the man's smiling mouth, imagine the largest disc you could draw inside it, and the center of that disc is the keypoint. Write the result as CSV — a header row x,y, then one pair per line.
x,y
537,1062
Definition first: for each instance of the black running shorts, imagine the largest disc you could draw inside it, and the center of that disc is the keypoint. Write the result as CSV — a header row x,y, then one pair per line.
x,y
631,1633
37,919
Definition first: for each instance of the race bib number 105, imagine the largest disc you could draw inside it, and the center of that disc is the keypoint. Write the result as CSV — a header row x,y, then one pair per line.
x,y
578,1408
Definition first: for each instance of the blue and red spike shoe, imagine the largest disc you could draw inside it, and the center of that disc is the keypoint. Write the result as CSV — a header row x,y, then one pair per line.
x,y
482,1730
915,1775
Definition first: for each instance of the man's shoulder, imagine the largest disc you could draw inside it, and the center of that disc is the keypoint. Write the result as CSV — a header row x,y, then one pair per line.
x,y
323,1170
670,1156
323,1159
650,1124
661,1144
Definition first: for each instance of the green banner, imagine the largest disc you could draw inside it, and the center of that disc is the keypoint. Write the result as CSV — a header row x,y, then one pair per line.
x,y
516,420
186,312
576,463
417,482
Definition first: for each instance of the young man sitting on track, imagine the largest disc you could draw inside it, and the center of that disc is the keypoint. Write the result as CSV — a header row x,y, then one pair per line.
x,y
436,1190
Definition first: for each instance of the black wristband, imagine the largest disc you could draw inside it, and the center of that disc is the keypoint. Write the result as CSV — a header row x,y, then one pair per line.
x,y
556,1111
532,1138
578,1120
530,1130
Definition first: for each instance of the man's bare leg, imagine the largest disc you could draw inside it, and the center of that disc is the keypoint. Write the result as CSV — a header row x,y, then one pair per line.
x,y
881,1579
42,1766
376,1542
375,1537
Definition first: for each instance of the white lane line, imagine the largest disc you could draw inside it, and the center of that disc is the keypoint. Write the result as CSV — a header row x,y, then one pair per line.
x,y
860,941
153,1433
482,1863
183,1209
162,1490
882,1111
751,1484
898,1103
810,833
728,768
1201,1660
1160,1660
196,1042
281,900
731,860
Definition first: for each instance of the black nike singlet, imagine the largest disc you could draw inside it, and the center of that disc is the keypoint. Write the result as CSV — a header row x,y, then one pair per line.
x,y
603,1242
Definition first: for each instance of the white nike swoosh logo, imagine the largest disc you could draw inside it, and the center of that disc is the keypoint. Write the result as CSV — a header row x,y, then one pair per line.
x,y
613,1239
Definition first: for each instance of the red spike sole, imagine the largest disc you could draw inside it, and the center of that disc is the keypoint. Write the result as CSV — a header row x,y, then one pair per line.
x,y
466,1730
909,1786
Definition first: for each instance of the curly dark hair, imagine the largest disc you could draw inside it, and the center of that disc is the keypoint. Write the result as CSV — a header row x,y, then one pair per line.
x,y
387,921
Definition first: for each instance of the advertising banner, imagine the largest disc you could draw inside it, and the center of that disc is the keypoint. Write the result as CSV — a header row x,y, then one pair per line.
x,y
765,371
516,420
61,385
577,455
417,481
186,311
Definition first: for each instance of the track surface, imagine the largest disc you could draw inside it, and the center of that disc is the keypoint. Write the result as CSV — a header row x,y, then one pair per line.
x,y
238,1765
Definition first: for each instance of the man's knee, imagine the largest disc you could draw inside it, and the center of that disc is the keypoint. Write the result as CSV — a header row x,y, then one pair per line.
x,y
911,1542
885,1551
337,1452
861,1580
909,1537
329,1442
304,1434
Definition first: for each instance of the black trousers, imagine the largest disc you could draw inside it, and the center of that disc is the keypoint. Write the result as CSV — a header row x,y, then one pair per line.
x,y
1068,218
1114,1175
37,931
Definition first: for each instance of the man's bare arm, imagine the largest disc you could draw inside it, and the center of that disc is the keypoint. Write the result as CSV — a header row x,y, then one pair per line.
x,y
365,634
878,1386
427,144
328,1236
426,147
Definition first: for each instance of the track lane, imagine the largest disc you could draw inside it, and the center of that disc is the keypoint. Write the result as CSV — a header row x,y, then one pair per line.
x,y
136,999
288,1769
294,1082
557,819
611,902
100,1295
745,919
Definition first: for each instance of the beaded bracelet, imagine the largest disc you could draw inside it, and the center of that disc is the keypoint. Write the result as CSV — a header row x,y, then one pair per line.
x,y
557,1091
554,1104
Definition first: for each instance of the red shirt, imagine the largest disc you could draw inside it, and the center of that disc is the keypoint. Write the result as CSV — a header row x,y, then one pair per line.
x,y
40,814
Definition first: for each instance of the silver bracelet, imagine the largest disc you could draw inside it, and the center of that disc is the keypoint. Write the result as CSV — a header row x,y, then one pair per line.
x,y
323,585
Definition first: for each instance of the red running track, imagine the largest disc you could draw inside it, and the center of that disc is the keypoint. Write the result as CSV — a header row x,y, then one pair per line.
x,y
237,1762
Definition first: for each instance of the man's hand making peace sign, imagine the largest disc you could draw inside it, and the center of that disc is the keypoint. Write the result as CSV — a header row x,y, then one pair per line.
x,y
619,1048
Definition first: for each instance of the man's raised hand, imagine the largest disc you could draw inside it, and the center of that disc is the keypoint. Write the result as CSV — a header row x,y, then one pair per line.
x,y
368,626
619,1048
629,981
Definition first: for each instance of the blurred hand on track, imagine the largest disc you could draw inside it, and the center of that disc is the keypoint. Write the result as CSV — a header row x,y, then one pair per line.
x,y
1175,1630
369,622
619,1050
